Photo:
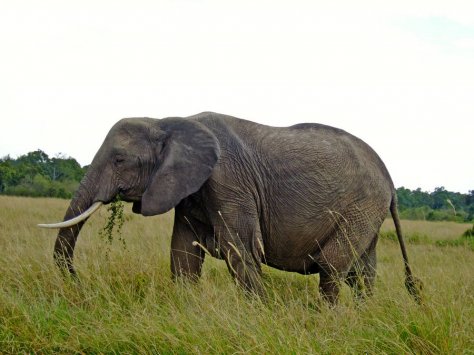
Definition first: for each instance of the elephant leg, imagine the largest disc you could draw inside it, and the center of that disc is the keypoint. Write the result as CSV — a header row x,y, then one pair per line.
x,y
329,286
186,255
361,277
334,261
246,272
242,249
349,254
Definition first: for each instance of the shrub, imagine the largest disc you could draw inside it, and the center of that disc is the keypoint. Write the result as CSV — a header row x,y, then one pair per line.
x,y
469,234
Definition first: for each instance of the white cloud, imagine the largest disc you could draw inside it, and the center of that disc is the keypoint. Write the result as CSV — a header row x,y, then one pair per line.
x,y
465,43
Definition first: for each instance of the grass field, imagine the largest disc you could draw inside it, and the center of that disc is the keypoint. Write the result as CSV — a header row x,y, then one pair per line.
x,y
127,303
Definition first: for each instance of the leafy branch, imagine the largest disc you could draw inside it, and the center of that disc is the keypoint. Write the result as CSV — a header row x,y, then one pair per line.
x,y
114,222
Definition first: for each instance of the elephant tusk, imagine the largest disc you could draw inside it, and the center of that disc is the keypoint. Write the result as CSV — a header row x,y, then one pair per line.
x,y
75,220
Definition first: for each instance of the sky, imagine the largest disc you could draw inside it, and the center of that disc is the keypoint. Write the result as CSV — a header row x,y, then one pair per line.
x,y
398,74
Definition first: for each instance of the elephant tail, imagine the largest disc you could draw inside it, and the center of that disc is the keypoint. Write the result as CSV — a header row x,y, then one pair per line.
x,y
412,283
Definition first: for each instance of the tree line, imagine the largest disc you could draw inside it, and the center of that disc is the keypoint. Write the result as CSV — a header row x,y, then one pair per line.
x,y
439,205
36,174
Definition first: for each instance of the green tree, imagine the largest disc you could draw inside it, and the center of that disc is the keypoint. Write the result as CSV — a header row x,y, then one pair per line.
x,y
440,198
35,174
405,198
64,168
439,205
7,173
470,205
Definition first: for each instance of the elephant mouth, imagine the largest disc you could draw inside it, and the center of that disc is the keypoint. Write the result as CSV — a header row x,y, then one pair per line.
x,y
136,200
137,207
126,198
129,195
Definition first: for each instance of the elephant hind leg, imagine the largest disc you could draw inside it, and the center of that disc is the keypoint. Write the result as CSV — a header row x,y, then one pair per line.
x,y
348,255
329,287
361,277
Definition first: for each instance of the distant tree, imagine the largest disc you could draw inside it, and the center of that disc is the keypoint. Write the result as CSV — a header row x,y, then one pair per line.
x,y
470,205
440,198
439,205
413,199
405,198
422,198
36,174
470,198
7,173
64,169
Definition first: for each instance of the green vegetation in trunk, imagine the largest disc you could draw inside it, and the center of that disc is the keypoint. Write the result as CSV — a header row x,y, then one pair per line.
x,y
114,223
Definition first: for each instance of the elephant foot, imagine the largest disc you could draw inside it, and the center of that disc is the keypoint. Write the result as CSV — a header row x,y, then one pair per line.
x,y
329,287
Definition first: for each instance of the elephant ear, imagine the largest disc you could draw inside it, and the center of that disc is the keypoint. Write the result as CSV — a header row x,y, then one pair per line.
x,y
186,161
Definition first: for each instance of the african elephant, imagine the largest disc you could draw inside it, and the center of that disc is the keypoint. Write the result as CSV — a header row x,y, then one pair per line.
x,y
307,198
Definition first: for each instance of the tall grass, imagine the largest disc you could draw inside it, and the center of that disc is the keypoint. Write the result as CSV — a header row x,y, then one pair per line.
x,y
126,302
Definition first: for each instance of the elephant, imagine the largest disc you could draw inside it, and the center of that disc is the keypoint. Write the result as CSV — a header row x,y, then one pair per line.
x,y
308,198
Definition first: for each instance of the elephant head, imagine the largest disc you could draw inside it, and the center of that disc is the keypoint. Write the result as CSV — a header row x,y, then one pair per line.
x,y
152,163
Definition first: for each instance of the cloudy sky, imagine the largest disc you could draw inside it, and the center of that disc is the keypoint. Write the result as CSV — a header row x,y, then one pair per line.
x,y
398,74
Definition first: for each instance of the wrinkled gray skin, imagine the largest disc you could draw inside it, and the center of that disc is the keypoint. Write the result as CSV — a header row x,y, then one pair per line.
x,y
307,198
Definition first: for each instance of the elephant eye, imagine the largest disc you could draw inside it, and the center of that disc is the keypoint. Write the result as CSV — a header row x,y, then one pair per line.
x,y
119,159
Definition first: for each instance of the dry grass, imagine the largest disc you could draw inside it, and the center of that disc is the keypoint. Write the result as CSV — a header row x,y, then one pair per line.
x,y
126,303
434,230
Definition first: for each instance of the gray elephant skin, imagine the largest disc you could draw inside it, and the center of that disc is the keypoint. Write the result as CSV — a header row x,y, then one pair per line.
x,y
307,198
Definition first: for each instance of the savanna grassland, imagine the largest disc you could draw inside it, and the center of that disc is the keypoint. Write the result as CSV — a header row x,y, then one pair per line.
x,y
126,302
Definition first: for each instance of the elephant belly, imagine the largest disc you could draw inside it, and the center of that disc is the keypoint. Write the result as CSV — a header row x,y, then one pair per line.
x,y
304,266
294,252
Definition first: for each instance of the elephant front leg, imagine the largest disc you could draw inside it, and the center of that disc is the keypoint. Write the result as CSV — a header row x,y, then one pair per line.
x,y
246,271
186,255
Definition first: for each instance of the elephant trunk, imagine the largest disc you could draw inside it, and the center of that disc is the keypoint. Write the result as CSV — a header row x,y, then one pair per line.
x,y
67,236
